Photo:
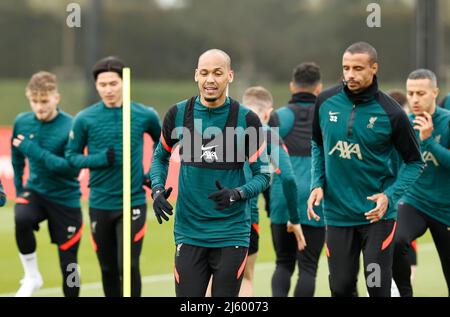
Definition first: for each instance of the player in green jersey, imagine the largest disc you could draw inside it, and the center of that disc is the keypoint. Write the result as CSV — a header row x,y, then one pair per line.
x,y
355,131
426,205
217,136
260,101
52,191
99,129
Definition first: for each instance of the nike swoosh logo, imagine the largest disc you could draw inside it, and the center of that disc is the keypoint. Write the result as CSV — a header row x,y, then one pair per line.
x,y
205,148
333,113
135,217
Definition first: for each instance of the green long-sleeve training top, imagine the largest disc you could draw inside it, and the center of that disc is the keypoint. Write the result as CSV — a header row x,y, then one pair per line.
x,y
354,136
43,146
99,128
430,194
213,146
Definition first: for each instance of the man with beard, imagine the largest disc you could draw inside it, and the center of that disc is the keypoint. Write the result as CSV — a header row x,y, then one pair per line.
x,y
217,135
356,128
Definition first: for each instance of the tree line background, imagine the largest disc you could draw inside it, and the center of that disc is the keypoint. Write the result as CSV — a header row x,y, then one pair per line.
x,y
161,39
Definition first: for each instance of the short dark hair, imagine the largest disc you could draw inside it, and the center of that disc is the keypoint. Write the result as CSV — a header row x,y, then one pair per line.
x,y
398,96
306,75
363,48
108,64
423,73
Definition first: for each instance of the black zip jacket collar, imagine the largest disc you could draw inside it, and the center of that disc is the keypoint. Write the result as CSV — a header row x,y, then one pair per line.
x,y
303,97
365,95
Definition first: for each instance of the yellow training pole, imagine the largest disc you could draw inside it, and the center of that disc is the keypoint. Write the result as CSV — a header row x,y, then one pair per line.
x,y
126,127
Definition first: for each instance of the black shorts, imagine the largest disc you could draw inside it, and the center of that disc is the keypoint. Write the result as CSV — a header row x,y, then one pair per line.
x,y
65,224
254,239
195,265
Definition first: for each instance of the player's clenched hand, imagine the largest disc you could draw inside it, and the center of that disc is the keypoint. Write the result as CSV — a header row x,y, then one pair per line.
x,y
424,124
161,206
224,197
147,182
298,232
315,199
378,212
17,140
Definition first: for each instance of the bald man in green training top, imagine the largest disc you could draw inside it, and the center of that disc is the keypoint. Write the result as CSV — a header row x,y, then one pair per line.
x,y
212,222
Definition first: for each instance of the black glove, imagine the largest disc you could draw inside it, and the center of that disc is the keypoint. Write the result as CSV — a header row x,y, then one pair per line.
x,y
147,182
225,197
110,156
160,205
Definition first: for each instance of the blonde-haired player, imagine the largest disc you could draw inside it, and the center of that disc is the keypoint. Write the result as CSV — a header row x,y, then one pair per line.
x,y
260,101
52,191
